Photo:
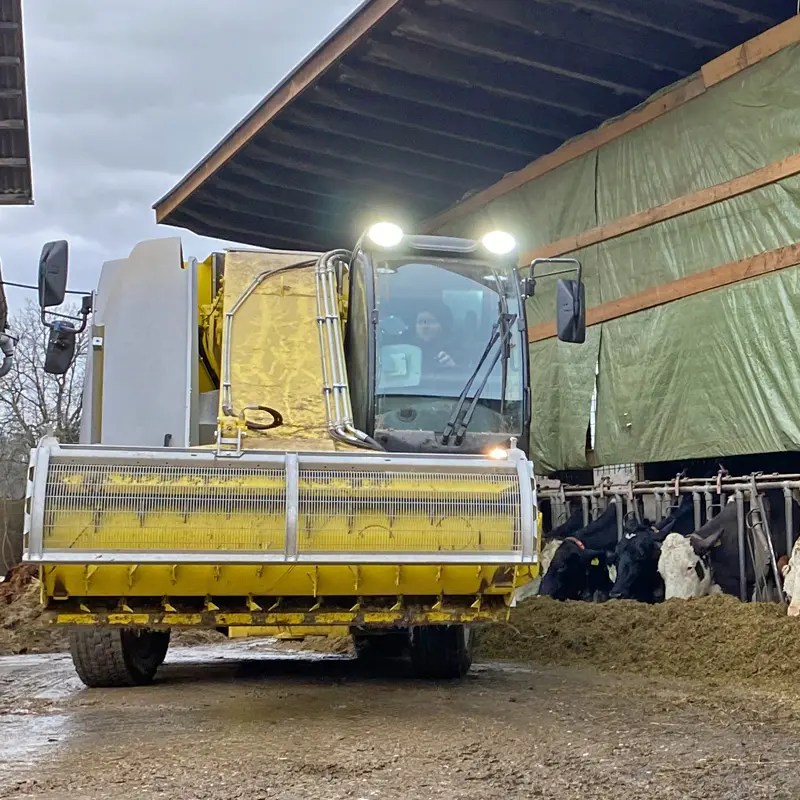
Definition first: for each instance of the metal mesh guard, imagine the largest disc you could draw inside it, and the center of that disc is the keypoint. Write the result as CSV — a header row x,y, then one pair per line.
x,y
420,512
154,507
202,509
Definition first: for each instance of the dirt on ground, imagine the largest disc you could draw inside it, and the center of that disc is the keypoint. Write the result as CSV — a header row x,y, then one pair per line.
x,y
687,699
243,721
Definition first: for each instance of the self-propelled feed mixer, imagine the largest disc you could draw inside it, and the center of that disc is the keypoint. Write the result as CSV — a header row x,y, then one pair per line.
x,y
294,442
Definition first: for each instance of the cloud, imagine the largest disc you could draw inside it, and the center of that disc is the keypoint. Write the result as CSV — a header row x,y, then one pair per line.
x,y
125,98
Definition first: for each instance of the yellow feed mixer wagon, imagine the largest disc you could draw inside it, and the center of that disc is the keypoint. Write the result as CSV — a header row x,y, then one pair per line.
x,y
283,443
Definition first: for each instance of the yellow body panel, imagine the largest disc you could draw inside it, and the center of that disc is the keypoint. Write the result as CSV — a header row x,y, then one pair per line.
x,y
275,358
239,581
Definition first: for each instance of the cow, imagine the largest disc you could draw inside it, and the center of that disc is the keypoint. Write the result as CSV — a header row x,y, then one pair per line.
x,y
714,549
569,528
791,581
578,568
636,555
636,561
684,565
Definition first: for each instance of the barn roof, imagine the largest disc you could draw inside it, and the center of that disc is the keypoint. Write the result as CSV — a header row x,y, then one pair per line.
x,y
15,165
411,105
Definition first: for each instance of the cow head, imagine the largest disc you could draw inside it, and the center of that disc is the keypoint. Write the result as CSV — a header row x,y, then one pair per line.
x,y
636,559
567,576
791,581
684,567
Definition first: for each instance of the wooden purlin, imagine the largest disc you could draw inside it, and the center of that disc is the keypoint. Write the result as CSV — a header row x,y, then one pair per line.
x,y
578,147
763,46
721,68
765,176
724,275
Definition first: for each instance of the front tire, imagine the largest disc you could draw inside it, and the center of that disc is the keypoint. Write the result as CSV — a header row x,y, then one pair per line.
x,y
115,657
441,652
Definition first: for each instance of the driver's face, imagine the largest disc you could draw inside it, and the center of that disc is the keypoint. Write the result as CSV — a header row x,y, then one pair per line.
x,y
428,327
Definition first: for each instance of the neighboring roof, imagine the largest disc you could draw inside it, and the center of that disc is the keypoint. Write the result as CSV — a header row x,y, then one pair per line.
x,y
15,163
413,104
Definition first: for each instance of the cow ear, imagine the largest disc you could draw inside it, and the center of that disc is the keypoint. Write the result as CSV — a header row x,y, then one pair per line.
x,y
701,546
664,531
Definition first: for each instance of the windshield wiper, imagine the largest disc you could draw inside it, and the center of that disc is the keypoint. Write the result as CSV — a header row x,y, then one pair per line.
x,y
501,331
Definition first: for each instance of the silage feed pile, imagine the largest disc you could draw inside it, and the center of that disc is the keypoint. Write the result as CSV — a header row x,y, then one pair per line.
x,y
22,629
708,638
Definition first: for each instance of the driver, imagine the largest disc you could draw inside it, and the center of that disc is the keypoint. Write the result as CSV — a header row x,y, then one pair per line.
x,y
433,334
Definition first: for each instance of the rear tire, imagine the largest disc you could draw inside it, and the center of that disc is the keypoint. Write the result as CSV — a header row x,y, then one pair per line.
x,y
441,652
106,657
380,646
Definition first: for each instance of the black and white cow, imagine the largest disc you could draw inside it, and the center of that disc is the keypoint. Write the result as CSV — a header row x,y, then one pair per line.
x,y
578,568
636,555
707,561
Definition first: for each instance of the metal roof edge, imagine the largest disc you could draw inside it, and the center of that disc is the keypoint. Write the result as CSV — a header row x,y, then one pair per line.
x,y
318,61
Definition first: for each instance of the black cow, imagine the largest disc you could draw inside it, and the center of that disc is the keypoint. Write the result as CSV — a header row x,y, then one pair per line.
x,y
579,569
569,528
636,560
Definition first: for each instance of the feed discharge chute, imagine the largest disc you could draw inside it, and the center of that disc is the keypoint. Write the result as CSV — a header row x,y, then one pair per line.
x,y
282,442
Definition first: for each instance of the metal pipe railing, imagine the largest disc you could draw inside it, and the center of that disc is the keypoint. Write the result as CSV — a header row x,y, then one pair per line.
x,y
740,490
335,387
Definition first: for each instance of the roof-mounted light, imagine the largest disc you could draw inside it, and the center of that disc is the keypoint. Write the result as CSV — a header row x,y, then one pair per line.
x,y
385,234
499,242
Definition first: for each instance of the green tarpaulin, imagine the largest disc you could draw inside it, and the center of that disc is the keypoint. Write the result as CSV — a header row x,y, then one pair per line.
x,y
711,375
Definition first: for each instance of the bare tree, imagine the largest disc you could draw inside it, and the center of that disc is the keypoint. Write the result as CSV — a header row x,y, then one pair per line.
x,y
33,402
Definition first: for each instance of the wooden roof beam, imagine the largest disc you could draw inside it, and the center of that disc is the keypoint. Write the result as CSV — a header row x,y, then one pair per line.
x,y
510,80
490,138
470,102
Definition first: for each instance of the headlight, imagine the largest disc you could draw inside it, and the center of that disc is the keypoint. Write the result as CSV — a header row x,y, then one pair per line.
x,y
499,242
385,234
498,453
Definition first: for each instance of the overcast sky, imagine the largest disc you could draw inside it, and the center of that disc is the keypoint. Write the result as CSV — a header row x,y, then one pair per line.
x,y
125,98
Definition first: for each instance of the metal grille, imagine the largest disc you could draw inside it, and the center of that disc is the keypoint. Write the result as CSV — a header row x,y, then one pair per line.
x,y
372,511
112,507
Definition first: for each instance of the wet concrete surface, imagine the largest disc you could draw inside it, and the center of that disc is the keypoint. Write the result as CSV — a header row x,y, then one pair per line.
x,y
249,720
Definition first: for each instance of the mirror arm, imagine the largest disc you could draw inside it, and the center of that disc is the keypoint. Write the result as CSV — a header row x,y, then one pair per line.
x,y
576,265
83,318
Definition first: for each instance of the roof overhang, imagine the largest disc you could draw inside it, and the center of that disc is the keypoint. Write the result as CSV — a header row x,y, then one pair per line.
x,y
411,106
15,163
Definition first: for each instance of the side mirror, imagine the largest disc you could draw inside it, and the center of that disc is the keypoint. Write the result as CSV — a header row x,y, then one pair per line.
x,y
53,268
571,311
60,348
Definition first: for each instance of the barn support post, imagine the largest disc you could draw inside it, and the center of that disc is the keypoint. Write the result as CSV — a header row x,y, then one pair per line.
x,y
739,497
585,507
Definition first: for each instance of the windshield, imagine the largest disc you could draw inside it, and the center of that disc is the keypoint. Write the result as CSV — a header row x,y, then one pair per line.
x,y
435,320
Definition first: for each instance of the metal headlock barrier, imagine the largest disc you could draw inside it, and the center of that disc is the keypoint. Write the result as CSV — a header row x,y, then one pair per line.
x,y
655,500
